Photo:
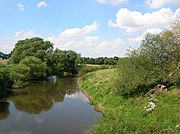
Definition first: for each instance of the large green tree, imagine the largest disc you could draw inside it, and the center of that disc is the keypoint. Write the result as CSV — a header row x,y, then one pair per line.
x,y
36,47
64,61
157,61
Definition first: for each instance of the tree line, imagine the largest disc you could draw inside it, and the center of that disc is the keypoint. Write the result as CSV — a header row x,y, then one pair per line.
x,y
99,60
4,56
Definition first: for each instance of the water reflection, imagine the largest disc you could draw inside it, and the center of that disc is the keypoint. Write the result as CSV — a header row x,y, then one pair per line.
x,y
41,96
77,96
48,107
4,110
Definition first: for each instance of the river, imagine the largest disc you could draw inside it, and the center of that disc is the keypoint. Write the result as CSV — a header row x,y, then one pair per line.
x,y
56,106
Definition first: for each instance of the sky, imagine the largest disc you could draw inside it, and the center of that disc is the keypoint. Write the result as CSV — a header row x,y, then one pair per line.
x,y
94,28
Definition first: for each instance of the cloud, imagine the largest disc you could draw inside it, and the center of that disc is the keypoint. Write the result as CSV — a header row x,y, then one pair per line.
x,y
77,32
160,3
7,44
20,35
135,21
41,4
91,38
75,36
137,40
21,6
112,2
85,41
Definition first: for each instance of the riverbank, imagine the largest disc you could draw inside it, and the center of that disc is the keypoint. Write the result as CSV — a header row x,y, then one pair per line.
x,y
130,115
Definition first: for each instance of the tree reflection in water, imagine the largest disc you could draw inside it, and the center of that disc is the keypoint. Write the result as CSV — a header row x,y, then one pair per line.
x,y
40,96
4,110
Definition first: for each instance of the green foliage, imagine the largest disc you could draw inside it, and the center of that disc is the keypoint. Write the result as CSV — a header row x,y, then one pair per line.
x,y
99,60
4,79
128,116
32,47
64,61
156,62
28,68
35,59
19,74
38,68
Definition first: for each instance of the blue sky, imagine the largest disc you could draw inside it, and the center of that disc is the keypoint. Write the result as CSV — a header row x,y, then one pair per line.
x,y
91,27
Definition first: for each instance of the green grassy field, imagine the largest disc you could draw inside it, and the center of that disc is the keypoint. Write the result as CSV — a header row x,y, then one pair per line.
x,y
129,116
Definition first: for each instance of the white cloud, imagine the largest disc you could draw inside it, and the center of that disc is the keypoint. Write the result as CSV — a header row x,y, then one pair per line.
x,y
135,21
75,37
138,39
7,44
77,32
112,2
160,3
85,41
20,35
21,7
42,4
153,31
91,38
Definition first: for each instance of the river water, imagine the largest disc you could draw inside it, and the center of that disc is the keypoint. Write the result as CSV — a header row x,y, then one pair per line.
x,y
56,106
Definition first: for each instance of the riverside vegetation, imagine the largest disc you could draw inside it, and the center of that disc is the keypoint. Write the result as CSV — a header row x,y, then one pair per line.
x,y
120,93
36,59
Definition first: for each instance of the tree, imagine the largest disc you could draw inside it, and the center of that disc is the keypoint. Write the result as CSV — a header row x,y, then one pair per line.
x,y
99,60
36,47
64,61
109,61
157,61
72,61
4,79
58,60
38,68
19,74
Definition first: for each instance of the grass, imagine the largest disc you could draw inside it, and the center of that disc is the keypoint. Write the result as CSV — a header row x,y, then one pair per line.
x,y
128,116
4,61
84,69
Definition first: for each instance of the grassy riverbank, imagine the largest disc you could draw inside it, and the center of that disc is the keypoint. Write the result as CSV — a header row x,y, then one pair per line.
x,y
129,116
